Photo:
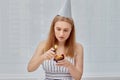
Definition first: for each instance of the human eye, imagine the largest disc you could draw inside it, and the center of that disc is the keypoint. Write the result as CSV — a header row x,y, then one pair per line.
x,y
58,29
65,30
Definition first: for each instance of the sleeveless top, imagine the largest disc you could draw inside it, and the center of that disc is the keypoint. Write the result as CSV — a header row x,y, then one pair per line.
x,y
54,72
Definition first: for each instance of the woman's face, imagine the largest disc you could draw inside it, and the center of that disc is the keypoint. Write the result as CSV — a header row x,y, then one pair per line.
x,y
62,30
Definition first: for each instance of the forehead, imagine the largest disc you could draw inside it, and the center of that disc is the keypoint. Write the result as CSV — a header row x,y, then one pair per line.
x,y
62,24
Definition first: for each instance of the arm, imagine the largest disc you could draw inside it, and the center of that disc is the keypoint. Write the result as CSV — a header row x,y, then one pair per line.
x,y
77,70
36,59
40,56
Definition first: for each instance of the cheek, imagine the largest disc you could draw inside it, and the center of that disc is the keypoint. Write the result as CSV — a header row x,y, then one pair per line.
x,y
56,33
68,34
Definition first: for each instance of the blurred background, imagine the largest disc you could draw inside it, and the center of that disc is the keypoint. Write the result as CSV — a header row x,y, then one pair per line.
x,y
24,23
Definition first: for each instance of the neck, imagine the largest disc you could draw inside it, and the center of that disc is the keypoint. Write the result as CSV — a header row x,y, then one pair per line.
x,y
61,43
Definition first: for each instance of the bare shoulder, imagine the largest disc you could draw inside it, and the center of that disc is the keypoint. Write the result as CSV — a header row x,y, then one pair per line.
x,y
40,47
79,49
41,44
79,45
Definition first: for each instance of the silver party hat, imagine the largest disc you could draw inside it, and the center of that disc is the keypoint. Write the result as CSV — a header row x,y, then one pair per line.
x,y
65,11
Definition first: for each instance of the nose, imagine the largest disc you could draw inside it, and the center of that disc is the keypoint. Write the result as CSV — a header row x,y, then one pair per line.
x,y
61,33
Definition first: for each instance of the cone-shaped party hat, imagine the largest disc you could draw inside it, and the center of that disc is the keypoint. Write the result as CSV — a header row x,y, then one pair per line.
x,y
65,10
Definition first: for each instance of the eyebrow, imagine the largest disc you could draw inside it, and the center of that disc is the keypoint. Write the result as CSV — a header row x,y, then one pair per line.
x,y
59,27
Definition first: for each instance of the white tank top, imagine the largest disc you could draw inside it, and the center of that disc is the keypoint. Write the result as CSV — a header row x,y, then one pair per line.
x,y
53,72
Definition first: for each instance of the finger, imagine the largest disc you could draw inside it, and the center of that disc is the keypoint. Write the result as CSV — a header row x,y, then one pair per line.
x,y
52,52
52,49
59,63
47,55
51,55
49,52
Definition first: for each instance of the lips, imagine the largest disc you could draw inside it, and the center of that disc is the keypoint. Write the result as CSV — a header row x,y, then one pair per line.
x,y
61,37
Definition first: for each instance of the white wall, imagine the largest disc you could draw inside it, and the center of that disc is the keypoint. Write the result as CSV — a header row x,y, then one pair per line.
x,y
23,23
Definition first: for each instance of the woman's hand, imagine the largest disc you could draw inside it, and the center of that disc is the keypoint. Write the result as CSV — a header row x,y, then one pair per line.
x,y
64,63
50,54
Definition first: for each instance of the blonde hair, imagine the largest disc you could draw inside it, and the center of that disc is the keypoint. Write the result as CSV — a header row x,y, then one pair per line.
x,y
70,42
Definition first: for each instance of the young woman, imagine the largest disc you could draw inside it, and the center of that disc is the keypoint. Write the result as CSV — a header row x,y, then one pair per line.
x,y
62,34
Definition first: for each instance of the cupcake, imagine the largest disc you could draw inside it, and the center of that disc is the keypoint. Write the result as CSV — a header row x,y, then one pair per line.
x,y
59,57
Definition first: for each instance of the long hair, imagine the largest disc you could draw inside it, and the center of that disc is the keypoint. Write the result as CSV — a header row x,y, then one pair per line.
x,y
70,42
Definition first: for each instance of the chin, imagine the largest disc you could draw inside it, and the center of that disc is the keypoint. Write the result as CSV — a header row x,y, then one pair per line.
x,y
61,40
